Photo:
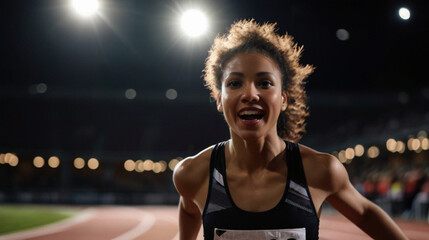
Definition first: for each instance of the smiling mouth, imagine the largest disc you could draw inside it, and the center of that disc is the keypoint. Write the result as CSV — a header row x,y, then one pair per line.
x,y
251,115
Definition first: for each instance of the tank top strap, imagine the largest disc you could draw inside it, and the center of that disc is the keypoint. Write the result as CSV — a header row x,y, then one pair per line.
x,y
294,163
217,198
298,193
217,161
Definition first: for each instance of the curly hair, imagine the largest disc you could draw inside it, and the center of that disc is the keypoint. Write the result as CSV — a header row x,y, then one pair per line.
x,y
249,36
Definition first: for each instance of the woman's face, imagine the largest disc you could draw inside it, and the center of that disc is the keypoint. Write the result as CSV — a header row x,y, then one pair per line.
x,y
251,97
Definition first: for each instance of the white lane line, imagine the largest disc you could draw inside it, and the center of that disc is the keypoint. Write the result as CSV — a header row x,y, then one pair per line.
x,y
175,221
145,224
51,228
176,237
171,219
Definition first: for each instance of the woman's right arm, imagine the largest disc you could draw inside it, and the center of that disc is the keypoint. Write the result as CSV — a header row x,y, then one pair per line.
x,y
189,219
191,181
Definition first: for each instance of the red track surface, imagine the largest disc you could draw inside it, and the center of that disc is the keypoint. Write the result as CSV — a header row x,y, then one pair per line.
x,y
160,222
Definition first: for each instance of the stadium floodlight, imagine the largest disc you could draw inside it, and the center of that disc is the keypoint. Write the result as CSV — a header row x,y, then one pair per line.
x,y
404,13
85,8
194,23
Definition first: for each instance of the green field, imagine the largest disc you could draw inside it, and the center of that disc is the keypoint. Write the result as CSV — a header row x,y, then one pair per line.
x,y
15,218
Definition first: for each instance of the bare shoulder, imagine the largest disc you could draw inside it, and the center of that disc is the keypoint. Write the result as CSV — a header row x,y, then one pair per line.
x,y
323,171
192,173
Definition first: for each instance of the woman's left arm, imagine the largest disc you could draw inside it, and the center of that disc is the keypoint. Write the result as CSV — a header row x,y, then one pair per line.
x,y
362,212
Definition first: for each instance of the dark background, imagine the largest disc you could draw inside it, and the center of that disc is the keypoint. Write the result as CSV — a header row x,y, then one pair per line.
x,y
366,89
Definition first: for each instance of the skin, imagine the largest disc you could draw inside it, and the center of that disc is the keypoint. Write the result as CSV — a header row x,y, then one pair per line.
x,y
255,158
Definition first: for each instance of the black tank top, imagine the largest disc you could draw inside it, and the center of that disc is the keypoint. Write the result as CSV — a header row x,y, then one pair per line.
x,y
294,217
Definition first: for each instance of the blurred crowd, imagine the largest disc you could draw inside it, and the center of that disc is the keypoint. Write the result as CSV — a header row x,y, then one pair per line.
x,y
400,192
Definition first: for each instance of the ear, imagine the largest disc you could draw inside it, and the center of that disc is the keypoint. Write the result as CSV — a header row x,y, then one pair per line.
x,y
219,103
284,101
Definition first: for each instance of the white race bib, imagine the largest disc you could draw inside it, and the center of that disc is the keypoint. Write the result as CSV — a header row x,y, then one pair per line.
x,y
270,234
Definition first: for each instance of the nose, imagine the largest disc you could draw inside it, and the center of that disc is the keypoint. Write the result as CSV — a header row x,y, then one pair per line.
x,y
250,93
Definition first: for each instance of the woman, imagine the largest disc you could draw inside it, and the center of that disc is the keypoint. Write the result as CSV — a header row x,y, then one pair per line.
x,y
261,184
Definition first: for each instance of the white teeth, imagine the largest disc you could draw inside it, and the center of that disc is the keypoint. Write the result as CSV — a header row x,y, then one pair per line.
x,y
250,112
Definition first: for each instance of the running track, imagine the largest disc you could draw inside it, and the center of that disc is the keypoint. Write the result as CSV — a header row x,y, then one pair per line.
x,y
160,222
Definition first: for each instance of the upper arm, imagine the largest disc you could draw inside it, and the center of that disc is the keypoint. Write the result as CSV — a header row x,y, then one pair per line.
x,y
190,178
186,178
328,176
343,196
181,180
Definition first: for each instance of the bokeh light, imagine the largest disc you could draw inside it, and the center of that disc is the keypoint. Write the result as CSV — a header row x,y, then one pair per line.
x,y
172,164
194,23
350,153
373,152
85,8
93,163
400,147
163,165
54,162
391,144
404,13
171,94
130,93
2,155
342,34
129,165
12,159
156,167
425,144
38,161
79,163
148,165
342,156
413,144
139,166
359,150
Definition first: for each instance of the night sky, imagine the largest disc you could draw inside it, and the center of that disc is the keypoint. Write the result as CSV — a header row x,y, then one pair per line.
x,y
63,78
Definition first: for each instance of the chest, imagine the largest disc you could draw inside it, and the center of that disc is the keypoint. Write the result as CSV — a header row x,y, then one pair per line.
x,y
256,193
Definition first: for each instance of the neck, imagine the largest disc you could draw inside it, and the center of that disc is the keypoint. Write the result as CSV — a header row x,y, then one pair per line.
x,y
253,155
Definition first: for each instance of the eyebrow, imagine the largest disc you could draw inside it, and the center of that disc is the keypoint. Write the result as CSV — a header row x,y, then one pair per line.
x,y
264,73
240,74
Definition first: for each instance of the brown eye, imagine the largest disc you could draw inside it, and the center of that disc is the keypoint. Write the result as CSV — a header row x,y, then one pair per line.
x,y
234,84
265,84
